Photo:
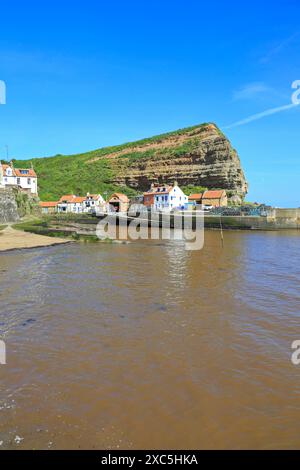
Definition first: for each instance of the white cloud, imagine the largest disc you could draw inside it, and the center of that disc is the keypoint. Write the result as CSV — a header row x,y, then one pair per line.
x,y
255,117
279,48
252,90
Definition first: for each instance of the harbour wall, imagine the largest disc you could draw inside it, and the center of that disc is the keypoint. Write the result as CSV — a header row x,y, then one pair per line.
x,y
276,219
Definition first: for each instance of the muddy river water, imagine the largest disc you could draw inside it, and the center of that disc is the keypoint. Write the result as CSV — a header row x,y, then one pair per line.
x,y
147,345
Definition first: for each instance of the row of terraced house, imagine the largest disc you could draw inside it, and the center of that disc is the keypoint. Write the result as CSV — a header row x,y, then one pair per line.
x,y
91,203
160,197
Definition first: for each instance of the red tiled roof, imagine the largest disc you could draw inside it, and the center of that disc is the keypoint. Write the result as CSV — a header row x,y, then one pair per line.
x,y
5,167
72,199
195,197
120,196
78,199
214,194
67,198
30,173
48,204
154,191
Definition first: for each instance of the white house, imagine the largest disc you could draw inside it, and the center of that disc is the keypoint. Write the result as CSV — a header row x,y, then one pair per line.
x,y
166,197
25,179
48,207
71,203
77,204
93,201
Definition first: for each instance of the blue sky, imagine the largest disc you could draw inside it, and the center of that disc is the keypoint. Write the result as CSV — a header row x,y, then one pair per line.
x,y
82,75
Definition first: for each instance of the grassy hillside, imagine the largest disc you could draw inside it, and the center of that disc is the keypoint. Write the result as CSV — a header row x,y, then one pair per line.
x,y
71,175
92,171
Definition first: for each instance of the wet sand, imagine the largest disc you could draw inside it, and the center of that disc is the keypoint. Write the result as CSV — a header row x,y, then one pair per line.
x,y
11,239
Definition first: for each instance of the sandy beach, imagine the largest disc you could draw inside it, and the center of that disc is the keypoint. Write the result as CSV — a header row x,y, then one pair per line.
x,y
11,239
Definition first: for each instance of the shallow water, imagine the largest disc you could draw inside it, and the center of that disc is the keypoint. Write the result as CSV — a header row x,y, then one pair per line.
x,y
147,345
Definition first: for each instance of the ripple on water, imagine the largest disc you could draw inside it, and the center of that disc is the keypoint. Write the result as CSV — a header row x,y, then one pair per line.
x,y
105,341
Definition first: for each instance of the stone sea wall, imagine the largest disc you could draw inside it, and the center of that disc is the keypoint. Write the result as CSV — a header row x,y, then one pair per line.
x,y
8,206
277,219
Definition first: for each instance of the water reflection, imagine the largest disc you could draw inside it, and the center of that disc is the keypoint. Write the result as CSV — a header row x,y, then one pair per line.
x,y
106,341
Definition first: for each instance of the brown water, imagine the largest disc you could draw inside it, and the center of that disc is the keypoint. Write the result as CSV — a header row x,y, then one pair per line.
x,y
148,345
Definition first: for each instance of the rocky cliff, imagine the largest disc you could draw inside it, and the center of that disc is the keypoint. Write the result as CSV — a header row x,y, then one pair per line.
x,y
195,156
201,156
8,206
15,204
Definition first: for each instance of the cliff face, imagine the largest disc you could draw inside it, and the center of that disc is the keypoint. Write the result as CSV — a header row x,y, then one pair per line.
x,y
8,206
202,156
196,156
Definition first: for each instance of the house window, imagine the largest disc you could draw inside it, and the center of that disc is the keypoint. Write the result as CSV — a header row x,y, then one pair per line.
x,y
18,181
28,181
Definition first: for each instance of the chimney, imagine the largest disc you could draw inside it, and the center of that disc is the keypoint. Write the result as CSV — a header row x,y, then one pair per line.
x,y
175,183
11,164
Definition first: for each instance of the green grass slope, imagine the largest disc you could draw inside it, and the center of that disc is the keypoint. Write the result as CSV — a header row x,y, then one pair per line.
x,y
71,174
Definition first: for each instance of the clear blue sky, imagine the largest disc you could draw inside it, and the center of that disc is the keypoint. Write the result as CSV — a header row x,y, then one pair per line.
x,y
82,75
